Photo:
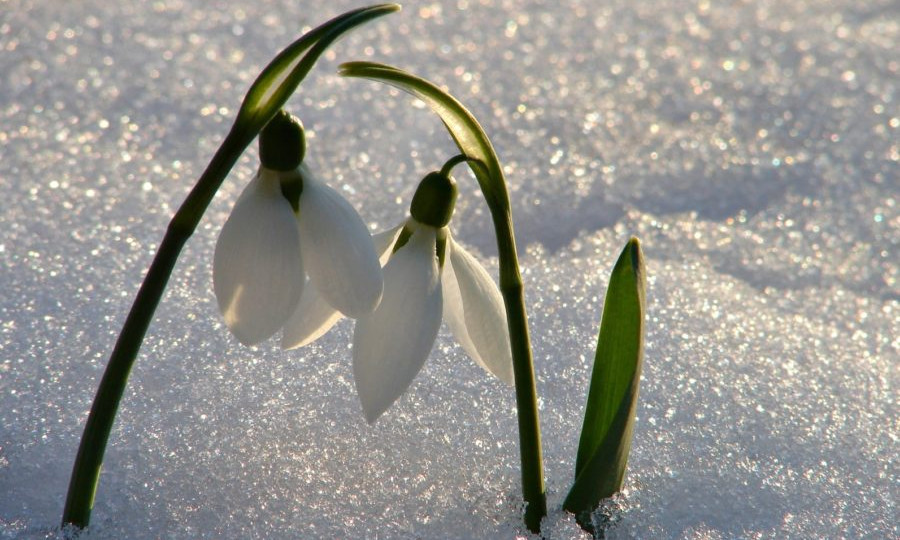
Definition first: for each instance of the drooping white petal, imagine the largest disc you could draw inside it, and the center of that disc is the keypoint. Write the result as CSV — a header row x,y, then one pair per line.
x,y
384,241
337,250
475,313
257,269
391,344
312,318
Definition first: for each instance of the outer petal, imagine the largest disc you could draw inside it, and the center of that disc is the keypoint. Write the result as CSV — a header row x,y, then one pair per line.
x,y
391,345
337,250
384,241
314,316
257,269
475,313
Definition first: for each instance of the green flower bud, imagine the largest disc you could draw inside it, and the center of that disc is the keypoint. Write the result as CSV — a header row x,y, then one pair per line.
x,y
434,200
282,144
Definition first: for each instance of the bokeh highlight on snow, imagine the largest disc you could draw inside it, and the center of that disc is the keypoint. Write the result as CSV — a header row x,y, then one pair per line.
x,y
752,146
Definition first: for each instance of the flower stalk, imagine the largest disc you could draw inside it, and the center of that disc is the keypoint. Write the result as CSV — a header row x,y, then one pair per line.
x,y
88,461
266,96
482,159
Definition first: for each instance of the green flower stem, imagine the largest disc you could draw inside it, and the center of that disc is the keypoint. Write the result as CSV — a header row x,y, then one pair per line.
x,y
266,96
453,162
511,288
479,153
513,292
86,471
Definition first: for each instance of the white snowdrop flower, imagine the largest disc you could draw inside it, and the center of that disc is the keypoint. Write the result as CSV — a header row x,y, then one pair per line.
x,y
314,315
428,278
289,242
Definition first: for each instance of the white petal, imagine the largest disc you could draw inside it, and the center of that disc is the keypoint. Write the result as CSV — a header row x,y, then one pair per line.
x,y
475,313
337,250
384,241
257,269
312,318
391,344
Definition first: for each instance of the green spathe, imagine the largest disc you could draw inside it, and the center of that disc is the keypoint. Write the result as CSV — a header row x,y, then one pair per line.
x,y
612,398
281,77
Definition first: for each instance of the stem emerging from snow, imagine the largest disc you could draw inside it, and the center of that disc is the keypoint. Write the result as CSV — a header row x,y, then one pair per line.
x,y
265,98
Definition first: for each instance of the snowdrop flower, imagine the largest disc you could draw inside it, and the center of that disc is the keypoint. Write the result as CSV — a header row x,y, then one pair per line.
x,y
428,277
291,238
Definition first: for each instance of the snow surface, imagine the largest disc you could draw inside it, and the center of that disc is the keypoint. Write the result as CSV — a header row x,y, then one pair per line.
x,y
751,145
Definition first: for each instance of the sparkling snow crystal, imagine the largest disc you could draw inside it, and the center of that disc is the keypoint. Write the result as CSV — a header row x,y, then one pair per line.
x,y
752,147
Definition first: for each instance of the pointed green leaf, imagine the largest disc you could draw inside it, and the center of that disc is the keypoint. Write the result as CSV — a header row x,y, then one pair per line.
x,y
280,78
612,398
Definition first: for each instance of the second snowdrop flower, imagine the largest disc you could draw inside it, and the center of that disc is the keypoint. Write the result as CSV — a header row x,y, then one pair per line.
x,y
428,278
290,236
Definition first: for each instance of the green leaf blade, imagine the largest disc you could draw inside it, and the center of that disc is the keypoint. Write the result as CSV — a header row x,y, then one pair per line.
x,y
613,394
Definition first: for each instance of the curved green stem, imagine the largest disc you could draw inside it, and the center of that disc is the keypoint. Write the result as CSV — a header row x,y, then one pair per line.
x,y
86,471
479,154
266,96
453,162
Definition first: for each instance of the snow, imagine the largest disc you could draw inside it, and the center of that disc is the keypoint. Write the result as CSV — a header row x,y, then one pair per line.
x,y
752,146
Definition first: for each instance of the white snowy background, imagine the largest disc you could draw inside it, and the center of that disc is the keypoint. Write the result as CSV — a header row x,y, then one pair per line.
x,y
752,146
